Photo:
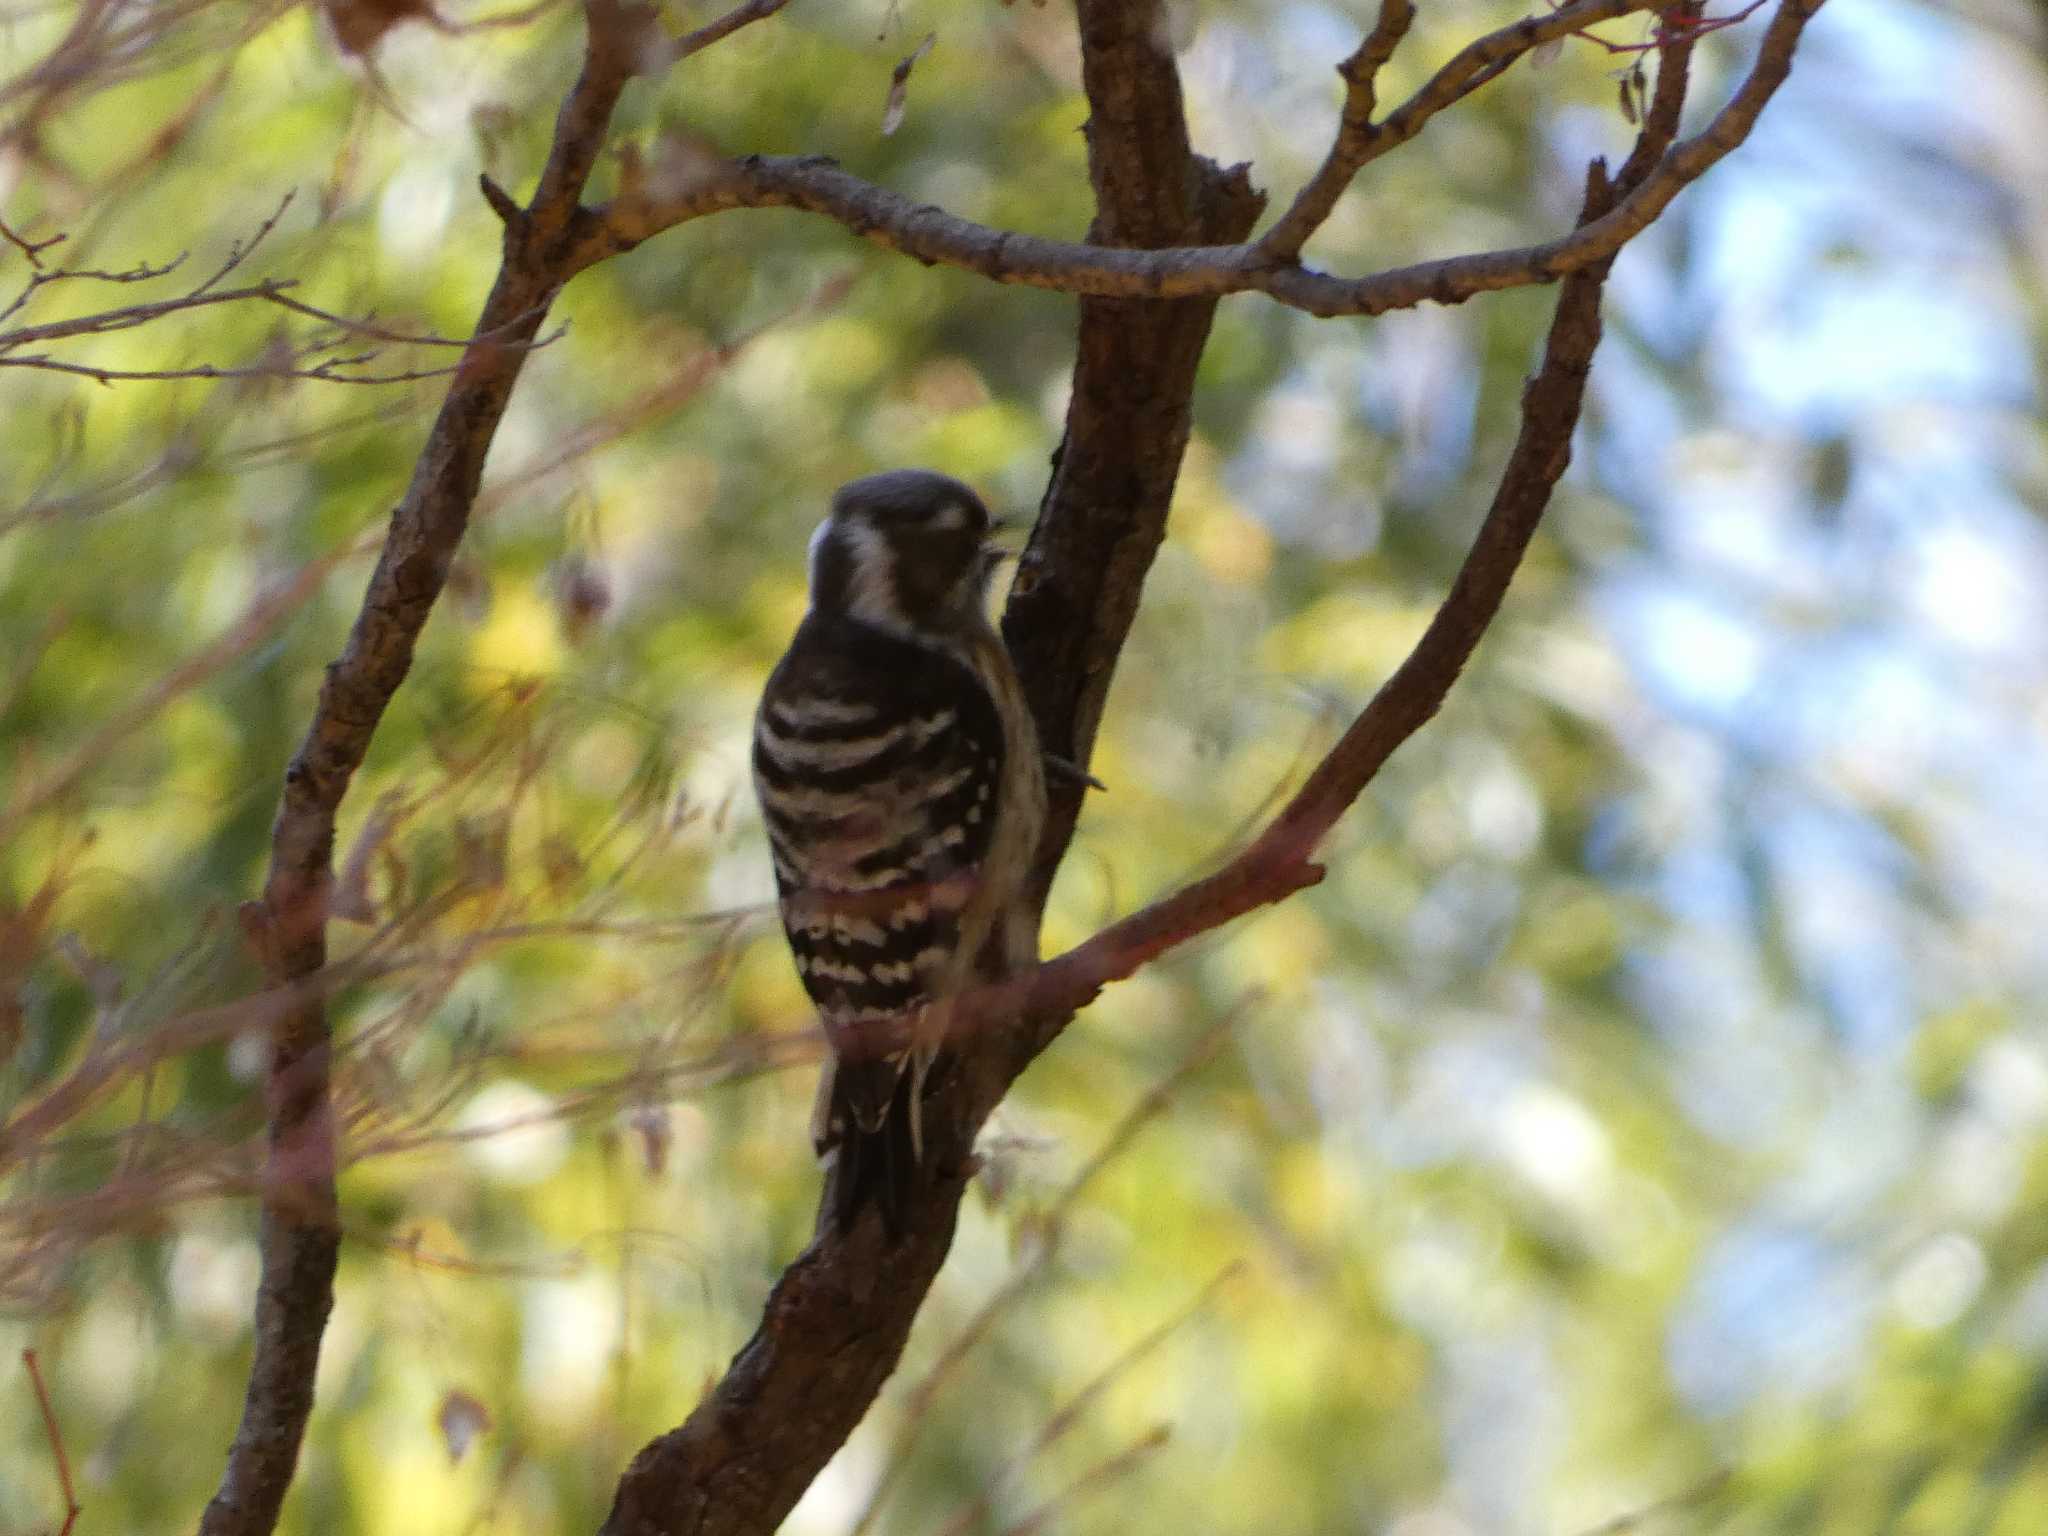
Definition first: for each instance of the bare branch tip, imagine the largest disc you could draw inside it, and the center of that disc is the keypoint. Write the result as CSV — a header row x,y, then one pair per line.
x,y
509,213
56,1437
32,249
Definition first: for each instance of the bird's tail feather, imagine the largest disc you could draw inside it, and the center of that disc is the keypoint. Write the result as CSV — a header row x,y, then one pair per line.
x,y
874,1121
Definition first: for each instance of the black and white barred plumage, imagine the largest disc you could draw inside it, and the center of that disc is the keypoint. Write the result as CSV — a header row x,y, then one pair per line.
x,y
900,779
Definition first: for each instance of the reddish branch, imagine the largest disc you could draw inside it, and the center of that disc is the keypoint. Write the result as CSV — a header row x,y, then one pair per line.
x,y
744,15
300,1234
56,1437
1680,20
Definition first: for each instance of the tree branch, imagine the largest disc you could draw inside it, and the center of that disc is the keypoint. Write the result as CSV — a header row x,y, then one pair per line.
x,y
1360,140
335,370
716,31
1356,135
933,236
1278,862
300,1238
56,1437
32,249
1130,411
830,1334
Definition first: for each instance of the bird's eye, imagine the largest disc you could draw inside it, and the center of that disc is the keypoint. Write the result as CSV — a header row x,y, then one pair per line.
x,y
950,517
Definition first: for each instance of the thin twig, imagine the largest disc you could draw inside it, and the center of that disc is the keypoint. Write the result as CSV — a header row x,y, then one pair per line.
x,y
335,372
141,272
1354,141
1673,27
107,321
367,328
1096,1478
208,294
32,249
1360,141
269,291
71,1507
1481,62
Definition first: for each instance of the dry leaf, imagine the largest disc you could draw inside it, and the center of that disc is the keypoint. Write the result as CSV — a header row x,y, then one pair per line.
x,y
899,84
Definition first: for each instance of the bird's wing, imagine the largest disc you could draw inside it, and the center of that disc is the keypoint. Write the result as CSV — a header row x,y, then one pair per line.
x,y
878,763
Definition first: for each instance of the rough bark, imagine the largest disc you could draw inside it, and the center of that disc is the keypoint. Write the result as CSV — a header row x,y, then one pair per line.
x,y
1104,513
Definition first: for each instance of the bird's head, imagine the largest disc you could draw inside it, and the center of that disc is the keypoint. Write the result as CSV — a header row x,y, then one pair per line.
x,y
907,550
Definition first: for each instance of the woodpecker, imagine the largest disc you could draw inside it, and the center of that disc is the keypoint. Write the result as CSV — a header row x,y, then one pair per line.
x,y
903,789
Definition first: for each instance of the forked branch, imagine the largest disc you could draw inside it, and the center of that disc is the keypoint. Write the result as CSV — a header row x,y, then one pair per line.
x,y
1279,861
831,1334
280,360
931,235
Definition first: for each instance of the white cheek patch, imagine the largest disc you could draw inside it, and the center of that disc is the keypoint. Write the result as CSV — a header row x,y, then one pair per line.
x,y
950,518
872,594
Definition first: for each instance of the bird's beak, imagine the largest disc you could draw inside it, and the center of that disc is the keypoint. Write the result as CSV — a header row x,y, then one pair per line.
x,y
994,552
